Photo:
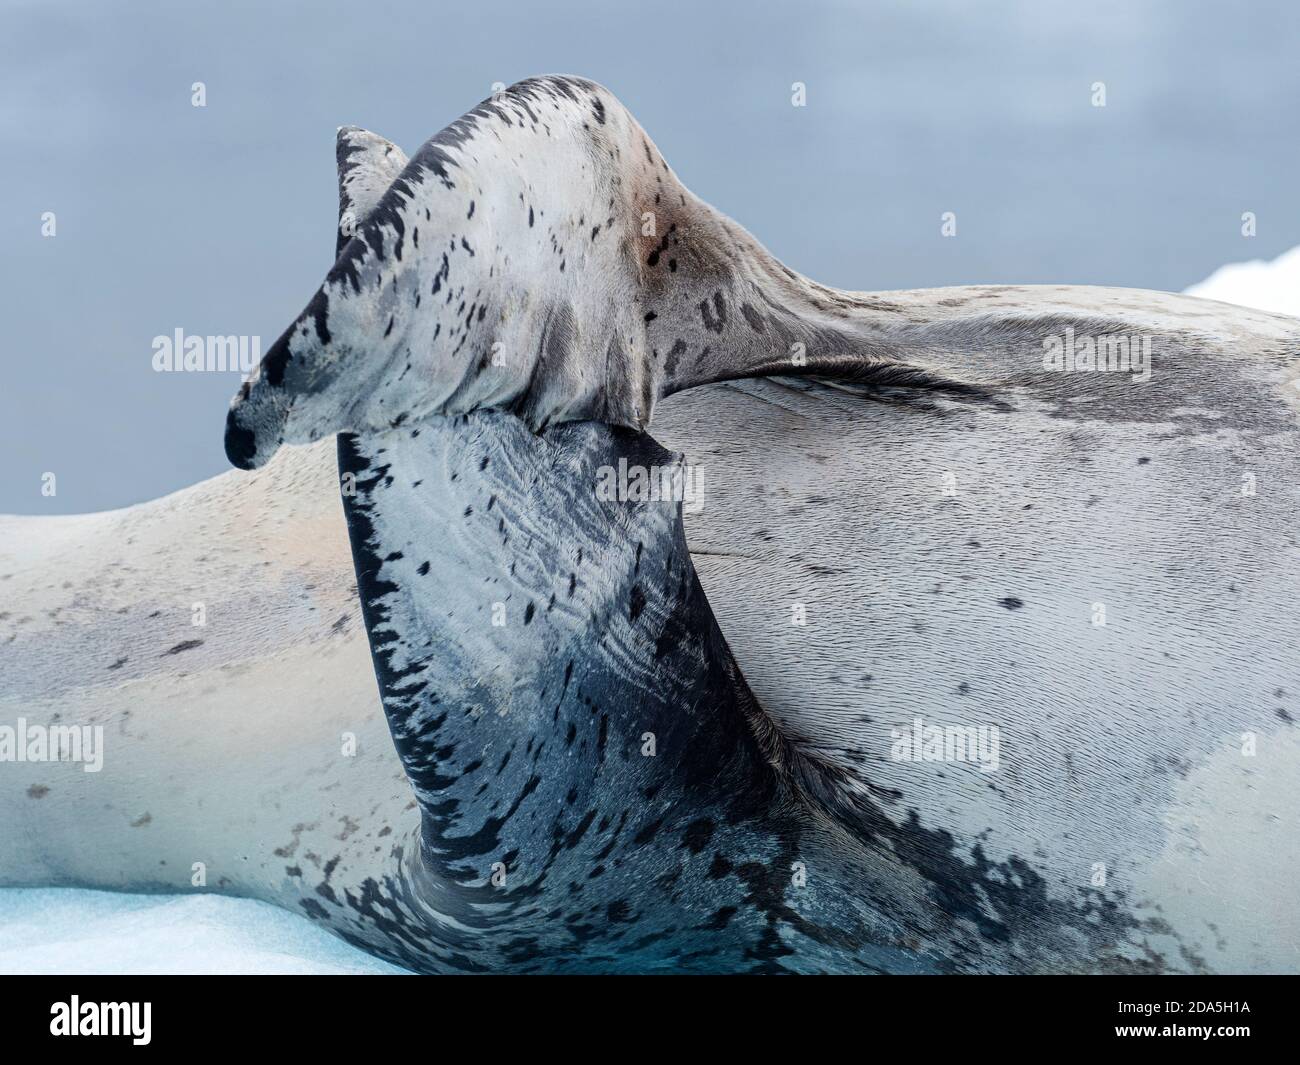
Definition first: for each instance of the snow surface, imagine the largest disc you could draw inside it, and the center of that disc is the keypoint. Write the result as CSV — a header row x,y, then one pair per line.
x,y
74,931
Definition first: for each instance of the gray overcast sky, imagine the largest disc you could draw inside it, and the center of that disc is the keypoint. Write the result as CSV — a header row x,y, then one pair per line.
x,y
219,220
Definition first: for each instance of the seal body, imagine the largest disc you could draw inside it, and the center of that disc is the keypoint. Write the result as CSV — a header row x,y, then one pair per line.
x,y
213,641
628,739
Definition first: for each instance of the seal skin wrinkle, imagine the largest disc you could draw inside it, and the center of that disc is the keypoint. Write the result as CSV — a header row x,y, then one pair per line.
x,y
628,733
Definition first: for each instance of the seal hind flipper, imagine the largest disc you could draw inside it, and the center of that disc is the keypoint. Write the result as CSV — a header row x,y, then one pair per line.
x,y
578,738
599,789
530,258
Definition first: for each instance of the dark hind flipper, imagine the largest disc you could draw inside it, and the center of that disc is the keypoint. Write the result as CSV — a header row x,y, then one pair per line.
x,y
590,766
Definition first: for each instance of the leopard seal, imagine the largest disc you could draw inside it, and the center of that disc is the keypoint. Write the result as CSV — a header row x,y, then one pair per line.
x,y
649,765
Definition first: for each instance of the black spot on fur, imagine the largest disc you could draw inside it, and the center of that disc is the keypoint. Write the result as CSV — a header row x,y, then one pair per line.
x,y
674,354
698,834
318,310
313,908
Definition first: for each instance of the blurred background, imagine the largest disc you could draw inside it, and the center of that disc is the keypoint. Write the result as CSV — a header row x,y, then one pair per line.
x,y
220,219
